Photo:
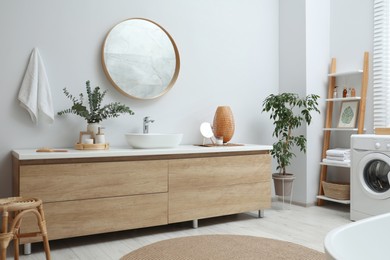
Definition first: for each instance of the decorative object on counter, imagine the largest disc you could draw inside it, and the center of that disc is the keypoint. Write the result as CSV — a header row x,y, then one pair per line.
x,y
223,124
207,132
84,136
218,145
288,111
34,94
50,150
140,59
79,146
348,114
94,112
88,141
93,128
100,137
219,140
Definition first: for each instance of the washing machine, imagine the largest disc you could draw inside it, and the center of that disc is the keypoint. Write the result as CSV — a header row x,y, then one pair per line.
x,y
370,175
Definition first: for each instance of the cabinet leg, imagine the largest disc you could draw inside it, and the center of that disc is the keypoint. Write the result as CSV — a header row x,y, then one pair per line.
x,y
195,223
261,213
27,249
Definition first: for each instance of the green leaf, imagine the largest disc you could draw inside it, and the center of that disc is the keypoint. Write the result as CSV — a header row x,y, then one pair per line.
x,y
95,113
288,112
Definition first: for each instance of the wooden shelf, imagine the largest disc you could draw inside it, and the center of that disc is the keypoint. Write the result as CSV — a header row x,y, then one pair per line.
x,y
323,197
345,73
329,122
342,99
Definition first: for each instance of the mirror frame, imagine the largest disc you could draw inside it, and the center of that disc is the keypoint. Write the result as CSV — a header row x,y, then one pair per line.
x,y
174,76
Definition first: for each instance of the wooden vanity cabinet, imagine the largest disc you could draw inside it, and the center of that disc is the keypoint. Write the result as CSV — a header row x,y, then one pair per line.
x,y
96,195
208,187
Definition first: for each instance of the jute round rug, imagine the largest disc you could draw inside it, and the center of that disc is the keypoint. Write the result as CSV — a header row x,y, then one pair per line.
x,y
223,247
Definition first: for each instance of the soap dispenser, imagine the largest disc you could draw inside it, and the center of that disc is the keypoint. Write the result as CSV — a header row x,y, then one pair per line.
x,y
100,138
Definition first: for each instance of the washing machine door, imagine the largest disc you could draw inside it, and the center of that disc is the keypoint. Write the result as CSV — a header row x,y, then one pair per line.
x,y
374,175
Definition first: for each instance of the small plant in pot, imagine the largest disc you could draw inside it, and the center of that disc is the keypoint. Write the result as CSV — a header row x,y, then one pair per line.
x,y
288,111
94,112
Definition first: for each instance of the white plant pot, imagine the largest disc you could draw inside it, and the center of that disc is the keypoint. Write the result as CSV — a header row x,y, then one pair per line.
x,y
93,128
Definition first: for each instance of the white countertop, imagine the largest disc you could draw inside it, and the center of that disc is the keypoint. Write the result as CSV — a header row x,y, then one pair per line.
x,y
31,154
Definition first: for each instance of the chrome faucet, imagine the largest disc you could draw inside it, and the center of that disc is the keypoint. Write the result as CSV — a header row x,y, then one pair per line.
x,y
146,124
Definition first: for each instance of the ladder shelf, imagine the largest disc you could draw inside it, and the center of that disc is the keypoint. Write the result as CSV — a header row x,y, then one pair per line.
x,y
329,129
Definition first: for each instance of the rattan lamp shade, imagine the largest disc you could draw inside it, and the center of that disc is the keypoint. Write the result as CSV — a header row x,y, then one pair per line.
x,y
223,124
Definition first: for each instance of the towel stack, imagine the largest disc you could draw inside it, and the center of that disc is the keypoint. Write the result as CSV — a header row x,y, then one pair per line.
x,y
340,156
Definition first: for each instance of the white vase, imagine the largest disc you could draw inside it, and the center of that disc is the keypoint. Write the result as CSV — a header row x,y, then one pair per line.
x,y
93,128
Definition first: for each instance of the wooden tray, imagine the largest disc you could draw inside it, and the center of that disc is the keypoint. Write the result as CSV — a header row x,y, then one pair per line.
x,y
79,146
218,145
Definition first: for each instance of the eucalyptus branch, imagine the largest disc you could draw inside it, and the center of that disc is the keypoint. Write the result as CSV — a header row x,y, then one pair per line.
x,y
95,113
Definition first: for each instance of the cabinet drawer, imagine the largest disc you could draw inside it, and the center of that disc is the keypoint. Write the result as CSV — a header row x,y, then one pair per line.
x,y
219,171
61,182
197,203
85,217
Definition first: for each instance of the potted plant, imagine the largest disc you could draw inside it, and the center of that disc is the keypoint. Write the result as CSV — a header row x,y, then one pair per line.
x,y
94,112
288,111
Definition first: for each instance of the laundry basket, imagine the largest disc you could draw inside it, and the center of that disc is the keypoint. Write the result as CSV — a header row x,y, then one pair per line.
x,y
339,191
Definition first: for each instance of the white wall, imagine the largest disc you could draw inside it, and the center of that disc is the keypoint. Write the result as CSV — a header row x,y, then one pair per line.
x,y
351,36
304,56
317,64
229,56
292,75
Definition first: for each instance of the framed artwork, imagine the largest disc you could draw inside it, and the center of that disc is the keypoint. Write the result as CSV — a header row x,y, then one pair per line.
x,y
84,136
348,114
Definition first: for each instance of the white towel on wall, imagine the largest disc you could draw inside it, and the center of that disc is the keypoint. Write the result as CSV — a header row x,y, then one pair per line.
x,y
34,94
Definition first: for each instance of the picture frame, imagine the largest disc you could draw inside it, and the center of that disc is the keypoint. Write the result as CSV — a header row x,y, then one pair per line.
x,y
84,136
348,114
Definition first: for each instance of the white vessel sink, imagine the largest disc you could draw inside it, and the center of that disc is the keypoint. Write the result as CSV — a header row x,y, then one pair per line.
x,y
152,140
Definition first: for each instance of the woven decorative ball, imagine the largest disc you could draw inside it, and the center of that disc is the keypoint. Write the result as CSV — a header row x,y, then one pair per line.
x,y
223,124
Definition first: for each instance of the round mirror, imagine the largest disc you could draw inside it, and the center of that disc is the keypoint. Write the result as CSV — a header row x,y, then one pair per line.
x,y
140,59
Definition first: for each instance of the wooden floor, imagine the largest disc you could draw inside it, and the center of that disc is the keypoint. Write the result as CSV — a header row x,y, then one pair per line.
x,y
304,226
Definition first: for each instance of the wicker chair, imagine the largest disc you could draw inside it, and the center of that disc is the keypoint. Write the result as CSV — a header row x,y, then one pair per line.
x,y
19,207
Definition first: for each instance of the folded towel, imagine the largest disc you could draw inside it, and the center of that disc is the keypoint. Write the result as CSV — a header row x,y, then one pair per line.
x,y
338,152
338,158
34,94
341,163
